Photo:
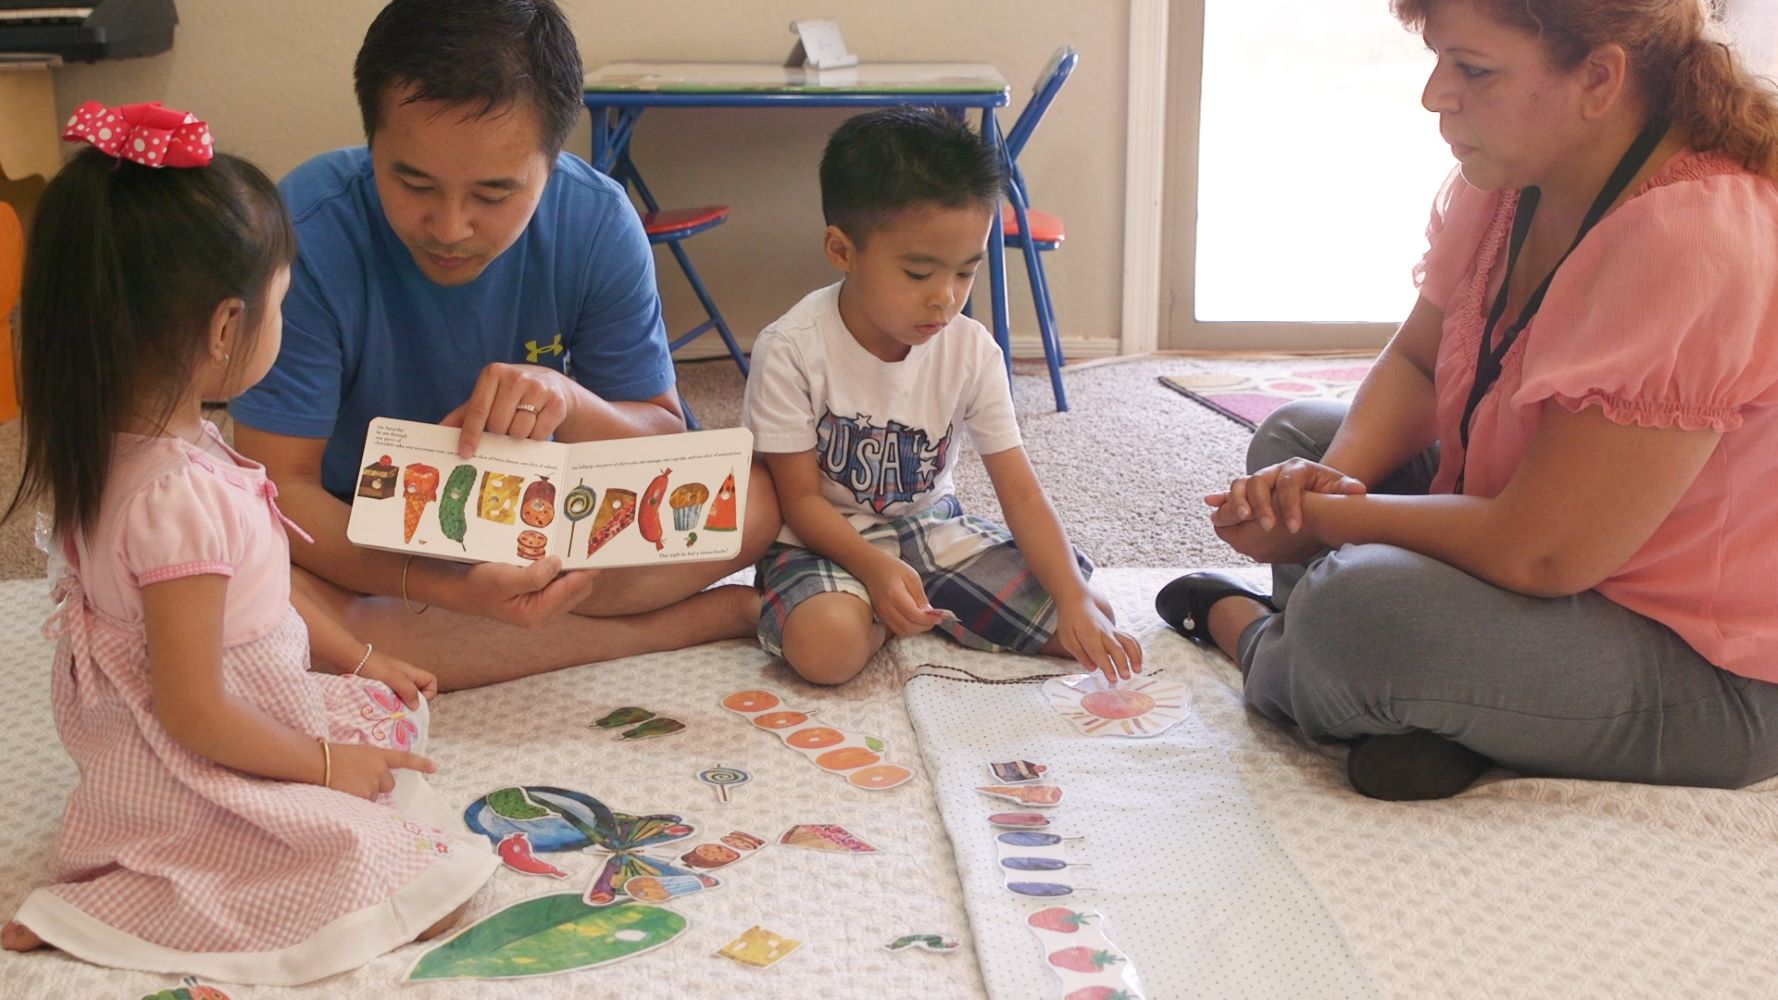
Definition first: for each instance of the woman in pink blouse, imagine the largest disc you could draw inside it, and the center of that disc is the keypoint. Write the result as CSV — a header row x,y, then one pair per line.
x,y
1546,532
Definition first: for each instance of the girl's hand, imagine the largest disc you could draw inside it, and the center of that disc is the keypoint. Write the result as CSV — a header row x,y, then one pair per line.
x,y
899,599
409,682
1096,643
1275,493
367,771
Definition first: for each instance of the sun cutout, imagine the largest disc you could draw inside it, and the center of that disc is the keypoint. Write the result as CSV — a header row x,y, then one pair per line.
x,y
1138,708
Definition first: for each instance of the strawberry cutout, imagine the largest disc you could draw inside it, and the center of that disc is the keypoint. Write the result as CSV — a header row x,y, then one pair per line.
x,y
1077,950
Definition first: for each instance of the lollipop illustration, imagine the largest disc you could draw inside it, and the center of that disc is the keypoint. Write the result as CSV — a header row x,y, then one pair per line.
x,y
576,506
723,777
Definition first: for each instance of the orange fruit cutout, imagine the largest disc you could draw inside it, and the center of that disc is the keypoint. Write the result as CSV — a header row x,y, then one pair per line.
x,y
750,701
846,758
880,776
780,720
814,738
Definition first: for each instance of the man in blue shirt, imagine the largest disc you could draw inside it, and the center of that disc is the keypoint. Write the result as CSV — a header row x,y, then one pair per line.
x,y
462,269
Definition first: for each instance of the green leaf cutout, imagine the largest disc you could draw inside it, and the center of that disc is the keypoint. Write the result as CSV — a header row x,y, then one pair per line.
x,y
513,803
549,934
875,745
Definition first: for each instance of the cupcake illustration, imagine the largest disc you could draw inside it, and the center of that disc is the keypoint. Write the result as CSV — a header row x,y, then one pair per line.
x,y
688,505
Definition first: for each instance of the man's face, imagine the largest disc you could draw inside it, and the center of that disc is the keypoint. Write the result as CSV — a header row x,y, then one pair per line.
x,y
457,190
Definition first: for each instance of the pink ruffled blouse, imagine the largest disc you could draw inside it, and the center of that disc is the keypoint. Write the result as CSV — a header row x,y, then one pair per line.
x,y
1665,315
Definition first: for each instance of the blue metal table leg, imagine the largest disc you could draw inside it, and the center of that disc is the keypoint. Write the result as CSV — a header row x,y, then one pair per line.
x,y
997,258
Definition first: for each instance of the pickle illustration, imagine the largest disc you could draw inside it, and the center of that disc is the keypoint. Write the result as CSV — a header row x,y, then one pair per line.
x,y
452,519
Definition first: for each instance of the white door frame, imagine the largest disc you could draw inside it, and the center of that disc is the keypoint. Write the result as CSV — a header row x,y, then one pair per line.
x,y
1160,225
1144,177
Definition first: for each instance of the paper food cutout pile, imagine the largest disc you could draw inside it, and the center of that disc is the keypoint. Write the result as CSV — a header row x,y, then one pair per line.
x,y
559,819
858,758
1032,862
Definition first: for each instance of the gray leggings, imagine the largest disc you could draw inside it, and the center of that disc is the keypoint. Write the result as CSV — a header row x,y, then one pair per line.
x,y
1376,639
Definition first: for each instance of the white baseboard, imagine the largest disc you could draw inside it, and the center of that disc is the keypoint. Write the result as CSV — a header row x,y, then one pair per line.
x,y
1022,348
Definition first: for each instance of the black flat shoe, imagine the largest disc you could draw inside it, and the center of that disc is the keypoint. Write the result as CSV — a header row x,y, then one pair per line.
x,y
1413,766
1185,603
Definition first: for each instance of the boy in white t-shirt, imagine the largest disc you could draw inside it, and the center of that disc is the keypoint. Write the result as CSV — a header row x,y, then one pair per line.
x,y
855,401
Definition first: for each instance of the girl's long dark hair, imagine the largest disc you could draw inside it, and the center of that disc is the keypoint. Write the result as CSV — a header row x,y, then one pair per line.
x,y
124,267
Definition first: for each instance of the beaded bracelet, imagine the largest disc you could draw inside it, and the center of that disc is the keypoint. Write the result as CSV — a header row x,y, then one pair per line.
x,y
404,600
362,660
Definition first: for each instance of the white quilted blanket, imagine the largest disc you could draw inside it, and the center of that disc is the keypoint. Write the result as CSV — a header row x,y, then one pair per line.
x,y
1520,888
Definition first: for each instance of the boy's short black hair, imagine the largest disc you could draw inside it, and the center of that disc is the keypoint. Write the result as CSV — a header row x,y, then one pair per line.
x,y
485,55
885,162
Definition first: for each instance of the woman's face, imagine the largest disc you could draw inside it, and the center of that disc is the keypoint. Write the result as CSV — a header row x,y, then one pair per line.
x,y
1509,116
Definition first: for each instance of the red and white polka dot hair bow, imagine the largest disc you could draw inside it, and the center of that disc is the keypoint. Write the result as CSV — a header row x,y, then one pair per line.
x,y
142,133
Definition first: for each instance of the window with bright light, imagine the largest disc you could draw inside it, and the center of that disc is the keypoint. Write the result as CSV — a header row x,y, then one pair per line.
x,y
1318,165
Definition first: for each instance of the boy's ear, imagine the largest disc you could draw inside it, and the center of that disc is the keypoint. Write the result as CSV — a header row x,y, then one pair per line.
x,y
225,329
841,251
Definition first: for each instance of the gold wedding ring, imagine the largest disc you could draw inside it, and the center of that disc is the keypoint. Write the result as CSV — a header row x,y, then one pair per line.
x,y
526,407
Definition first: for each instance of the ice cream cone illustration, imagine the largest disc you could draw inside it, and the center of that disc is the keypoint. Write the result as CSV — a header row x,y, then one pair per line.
x,y
419,487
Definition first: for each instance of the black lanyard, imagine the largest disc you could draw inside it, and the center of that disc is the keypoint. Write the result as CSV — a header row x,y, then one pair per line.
x,y
1489,358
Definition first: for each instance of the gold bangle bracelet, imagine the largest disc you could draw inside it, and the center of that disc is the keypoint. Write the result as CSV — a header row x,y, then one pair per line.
x,y
326,763
409,564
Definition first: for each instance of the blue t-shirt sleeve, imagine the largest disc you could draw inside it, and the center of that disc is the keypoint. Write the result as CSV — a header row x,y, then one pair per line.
x,y
300,396
619,342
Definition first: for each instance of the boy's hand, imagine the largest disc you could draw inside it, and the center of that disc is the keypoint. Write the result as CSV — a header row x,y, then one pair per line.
x,y
368,772
409,682
899,599
1097,644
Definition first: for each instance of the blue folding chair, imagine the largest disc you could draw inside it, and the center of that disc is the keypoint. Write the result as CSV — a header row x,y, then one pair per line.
x,y
672,227
1029,230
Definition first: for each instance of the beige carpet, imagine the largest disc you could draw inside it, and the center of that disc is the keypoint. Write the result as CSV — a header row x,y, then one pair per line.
x,y
1125,468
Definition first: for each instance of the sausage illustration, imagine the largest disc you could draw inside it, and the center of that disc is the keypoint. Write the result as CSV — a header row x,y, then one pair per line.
x,y
648,519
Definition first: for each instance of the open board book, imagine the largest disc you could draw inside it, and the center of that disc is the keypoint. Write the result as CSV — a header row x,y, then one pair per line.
x,y
628,502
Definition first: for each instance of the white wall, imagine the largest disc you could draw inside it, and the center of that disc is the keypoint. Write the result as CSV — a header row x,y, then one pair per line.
x,y
274,80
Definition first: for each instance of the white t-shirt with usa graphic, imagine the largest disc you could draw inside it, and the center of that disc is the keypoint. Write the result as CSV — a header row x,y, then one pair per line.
x,y
884,433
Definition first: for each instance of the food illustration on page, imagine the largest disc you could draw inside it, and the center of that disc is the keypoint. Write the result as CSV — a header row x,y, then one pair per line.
x,y
500,504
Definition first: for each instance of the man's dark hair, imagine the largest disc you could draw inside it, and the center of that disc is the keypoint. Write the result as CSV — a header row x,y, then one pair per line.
x,y
483,55
882,163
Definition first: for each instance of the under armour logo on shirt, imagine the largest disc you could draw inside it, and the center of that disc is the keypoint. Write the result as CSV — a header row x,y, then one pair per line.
x,y
535,351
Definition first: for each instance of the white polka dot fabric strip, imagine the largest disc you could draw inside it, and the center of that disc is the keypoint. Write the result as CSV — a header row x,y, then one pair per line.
x,y
1205,900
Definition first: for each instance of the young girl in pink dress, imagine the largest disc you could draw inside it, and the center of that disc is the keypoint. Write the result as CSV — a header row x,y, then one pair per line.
x,y
246,809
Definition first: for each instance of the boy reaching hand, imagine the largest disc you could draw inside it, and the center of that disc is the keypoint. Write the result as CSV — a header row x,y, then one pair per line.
x,y
855,400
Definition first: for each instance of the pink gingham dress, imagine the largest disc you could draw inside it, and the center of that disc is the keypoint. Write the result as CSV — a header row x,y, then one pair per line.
x,y
169,862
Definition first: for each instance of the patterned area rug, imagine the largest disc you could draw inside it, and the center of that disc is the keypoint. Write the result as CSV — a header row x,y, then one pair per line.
x,y
1248,389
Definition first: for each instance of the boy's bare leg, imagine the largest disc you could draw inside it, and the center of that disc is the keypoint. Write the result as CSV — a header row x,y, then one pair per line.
x,y
830,637
17,937
630,612
466,651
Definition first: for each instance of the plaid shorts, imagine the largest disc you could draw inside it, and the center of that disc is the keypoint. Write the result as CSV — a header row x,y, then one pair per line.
x,y
969,566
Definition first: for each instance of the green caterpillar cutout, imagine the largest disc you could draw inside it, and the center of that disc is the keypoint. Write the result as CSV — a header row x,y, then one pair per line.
x,y
451,509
